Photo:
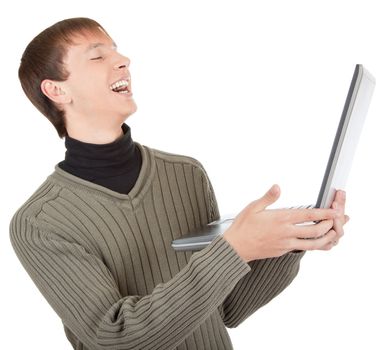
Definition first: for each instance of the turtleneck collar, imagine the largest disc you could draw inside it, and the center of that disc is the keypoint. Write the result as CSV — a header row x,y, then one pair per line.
x,y
115,165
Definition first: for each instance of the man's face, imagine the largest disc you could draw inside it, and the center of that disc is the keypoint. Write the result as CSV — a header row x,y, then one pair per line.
x,y
99,82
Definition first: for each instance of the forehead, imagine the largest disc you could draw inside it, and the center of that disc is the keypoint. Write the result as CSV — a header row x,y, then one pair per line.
x,y
88,40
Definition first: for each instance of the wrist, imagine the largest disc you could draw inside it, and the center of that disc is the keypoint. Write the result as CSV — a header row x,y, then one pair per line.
x,y
234,245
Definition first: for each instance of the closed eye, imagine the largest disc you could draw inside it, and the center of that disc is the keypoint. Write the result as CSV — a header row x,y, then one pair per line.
x,y
96,58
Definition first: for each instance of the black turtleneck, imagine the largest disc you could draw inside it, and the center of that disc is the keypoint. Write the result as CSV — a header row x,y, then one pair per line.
x,y
114,165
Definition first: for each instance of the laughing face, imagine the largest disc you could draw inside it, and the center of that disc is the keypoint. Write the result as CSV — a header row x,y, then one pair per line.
x,y
98,89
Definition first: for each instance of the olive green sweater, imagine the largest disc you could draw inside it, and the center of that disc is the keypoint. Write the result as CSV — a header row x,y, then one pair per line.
x,y
104,262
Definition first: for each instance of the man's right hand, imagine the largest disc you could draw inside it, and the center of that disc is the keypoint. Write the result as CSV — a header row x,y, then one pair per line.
x,y
259,233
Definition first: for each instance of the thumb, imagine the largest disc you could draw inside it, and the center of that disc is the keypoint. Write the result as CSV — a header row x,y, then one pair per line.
x,y
270,197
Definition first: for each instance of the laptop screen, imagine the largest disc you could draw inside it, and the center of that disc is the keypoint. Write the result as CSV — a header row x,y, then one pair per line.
x,y
347,136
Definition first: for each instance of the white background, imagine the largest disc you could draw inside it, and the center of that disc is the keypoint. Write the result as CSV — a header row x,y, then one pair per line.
x,y
254,90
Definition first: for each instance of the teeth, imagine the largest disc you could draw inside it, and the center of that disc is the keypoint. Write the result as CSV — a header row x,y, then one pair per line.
x,y
119,84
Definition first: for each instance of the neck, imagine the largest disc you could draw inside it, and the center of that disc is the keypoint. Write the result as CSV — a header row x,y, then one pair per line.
x,y
95,133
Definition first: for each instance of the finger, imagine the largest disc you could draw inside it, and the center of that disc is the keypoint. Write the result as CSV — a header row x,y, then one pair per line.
x,y
338,226
340,198
345,218
339,202
338,206
316,244
336,238
313,230
269,198
330,245
339,222
297,216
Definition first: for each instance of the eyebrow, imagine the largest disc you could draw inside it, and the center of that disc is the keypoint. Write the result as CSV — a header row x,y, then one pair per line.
x,y
96,45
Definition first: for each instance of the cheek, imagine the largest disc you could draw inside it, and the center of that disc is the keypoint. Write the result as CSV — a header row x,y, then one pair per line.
x,y
87,82
91,90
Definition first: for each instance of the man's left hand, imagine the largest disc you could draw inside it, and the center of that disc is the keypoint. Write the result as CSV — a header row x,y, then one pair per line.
x,y
338,226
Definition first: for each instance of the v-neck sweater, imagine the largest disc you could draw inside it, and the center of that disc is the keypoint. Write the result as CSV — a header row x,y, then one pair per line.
x,y
103,260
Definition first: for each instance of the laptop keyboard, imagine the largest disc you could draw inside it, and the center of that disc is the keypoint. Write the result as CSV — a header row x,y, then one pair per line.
x,y
309,206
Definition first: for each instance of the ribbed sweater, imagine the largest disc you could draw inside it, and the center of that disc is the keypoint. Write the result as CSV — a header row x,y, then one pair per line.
x,y
104,262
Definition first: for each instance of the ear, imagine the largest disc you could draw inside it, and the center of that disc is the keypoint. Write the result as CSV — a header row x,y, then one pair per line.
x,y
55,91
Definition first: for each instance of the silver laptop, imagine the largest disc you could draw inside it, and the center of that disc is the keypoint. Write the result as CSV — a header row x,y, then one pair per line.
x,y
337,169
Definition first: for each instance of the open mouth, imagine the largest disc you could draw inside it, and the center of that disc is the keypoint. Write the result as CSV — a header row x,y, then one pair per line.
x,y
121,87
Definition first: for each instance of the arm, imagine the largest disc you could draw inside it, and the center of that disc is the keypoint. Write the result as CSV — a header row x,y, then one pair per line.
x,y
270,276
267,278
82,291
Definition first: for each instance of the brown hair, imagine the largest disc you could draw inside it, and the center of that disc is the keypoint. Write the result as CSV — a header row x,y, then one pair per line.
x,y
43,59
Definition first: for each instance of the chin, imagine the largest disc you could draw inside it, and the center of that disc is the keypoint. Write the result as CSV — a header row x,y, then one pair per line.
x,y
132,108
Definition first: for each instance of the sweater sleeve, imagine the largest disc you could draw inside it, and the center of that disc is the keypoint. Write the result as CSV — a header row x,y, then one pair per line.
x,y
267,278
82,291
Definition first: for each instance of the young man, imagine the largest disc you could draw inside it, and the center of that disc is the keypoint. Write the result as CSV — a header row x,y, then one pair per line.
x,y
95,237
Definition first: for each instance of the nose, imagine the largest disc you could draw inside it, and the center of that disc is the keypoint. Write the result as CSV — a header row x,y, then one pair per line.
x,y
121,62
